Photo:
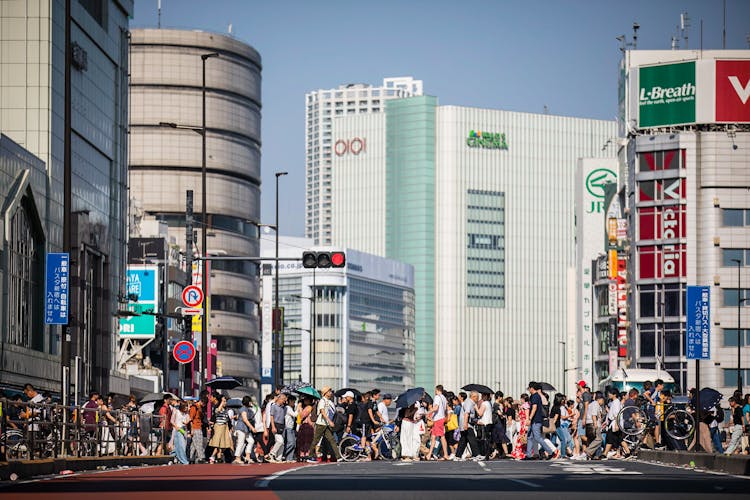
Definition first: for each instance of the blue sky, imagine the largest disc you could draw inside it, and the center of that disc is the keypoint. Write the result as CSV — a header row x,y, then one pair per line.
x,y
516,55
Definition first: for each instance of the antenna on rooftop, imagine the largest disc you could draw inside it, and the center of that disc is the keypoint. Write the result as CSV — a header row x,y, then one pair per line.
x,y
229,28
684,25
636,27
158,14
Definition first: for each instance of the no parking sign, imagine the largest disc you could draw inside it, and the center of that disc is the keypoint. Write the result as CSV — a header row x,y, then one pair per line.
x,y
184,351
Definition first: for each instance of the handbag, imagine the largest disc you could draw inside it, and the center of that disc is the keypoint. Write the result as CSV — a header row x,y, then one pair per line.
x,y
452,423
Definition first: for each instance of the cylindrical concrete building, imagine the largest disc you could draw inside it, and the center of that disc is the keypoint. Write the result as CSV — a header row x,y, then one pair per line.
x,y
165,162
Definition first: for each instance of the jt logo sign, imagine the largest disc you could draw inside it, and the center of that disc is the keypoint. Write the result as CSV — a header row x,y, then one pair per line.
x,y
733,91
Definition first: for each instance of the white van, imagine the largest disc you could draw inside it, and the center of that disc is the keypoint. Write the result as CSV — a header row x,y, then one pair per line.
x,y
626,379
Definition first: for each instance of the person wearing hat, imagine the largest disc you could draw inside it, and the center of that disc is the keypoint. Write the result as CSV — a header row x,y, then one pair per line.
x,y
324,425
350,411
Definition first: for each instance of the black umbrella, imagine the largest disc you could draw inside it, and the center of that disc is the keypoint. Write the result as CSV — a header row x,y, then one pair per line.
x,y
357,394
408,398
224,383
481,389
709,398
547,387
156,396
427,398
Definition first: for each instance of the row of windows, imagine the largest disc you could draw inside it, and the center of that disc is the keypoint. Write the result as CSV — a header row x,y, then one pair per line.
x,y
730,337
729,255
238,305
237,345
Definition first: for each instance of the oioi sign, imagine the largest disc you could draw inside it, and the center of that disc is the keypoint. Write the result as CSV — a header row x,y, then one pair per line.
x,y
666,95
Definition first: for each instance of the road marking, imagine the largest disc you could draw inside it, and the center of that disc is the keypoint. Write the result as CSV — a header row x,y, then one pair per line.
x,y
263,483
526,483
595,469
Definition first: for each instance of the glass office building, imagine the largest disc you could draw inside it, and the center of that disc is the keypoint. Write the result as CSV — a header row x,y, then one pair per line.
x,y
32,114
344,327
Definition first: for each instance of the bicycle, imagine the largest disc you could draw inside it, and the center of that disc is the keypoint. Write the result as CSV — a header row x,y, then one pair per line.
x,y
637,422
385,439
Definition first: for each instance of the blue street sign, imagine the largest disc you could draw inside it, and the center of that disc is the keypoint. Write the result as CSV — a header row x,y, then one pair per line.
x,y
56,289
698,312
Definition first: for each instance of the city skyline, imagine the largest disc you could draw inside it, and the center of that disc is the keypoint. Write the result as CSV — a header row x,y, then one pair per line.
x,y
482,47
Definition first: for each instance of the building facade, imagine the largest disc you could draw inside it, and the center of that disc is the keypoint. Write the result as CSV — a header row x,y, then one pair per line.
x,y
32,114
322,106
343,327
166,88
686,117
481,203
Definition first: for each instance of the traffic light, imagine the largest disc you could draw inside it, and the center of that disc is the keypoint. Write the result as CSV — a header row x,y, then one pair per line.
x,y
323,259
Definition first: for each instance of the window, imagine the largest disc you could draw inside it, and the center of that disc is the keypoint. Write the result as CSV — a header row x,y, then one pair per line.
x,y
25,279
735,217
731,297
729,255
730,377
730,337
647,341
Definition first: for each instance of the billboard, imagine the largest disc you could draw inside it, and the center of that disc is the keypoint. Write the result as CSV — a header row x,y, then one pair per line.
x,y
143,286
733,91
56,289
666,95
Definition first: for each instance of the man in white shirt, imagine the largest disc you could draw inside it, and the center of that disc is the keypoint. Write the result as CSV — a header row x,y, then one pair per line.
x,y
324,425
594,425
438,414
383,407
614,434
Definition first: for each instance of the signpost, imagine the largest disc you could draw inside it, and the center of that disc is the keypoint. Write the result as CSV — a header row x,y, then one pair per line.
x,y
56,289
698,311
184,352
192,296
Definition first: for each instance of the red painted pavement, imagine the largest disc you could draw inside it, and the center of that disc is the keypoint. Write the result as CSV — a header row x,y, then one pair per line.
x,y
163,482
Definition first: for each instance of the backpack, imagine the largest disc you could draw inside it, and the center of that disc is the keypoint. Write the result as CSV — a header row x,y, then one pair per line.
x,y
339,420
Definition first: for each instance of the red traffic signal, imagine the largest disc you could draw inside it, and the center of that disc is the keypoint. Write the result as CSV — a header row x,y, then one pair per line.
x,y
323,259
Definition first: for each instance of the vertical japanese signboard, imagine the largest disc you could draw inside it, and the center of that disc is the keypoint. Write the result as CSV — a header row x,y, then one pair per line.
x,y
56,289
698,312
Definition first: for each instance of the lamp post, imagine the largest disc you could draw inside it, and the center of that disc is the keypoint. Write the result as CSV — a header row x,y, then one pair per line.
x,y
279,347
204,221
564,363
740,300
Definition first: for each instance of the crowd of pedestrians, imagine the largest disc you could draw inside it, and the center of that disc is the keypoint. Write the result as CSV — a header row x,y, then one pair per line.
x,y
290,426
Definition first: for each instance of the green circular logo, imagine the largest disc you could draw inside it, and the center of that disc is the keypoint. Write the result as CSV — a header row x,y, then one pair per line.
x,y
596,180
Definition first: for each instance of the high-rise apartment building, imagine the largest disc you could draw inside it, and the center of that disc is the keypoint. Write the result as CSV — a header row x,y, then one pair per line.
x,y
166,87
322,106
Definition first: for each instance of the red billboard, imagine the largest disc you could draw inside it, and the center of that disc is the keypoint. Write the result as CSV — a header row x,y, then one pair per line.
x,y
733,91
622,308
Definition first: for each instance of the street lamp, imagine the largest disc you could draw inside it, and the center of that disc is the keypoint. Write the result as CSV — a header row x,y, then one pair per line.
x,y
279,346
740,300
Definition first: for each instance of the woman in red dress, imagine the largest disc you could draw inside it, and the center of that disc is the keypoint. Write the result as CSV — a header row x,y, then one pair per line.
x,y
519,441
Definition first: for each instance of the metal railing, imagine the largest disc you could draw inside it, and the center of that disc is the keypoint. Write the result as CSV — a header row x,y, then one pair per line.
x,y
30,431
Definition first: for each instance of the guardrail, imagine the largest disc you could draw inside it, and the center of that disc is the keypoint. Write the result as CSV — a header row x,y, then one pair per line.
x,y
31,431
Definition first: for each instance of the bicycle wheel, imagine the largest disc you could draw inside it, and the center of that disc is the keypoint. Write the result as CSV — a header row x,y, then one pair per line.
x,y
348,448
388,446
679,424
633,420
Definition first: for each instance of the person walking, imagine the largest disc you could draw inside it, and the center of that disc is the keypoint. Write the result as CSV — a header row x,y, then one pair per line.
x,y
594,426
438,413
275,428
522,429
180,420
409,435
561,416
197,442
537,414
244,431
221,439
306,428
290,429
736,426
324,424
468,421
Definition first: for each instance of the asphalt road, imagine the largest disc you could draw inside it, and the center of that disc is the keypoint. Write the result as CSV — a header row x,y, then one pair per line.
x,y
398,480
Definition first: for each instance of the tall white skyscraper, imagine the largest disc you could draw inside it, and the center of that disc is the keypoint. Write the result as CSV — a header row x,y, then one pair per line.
x,y
322,106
